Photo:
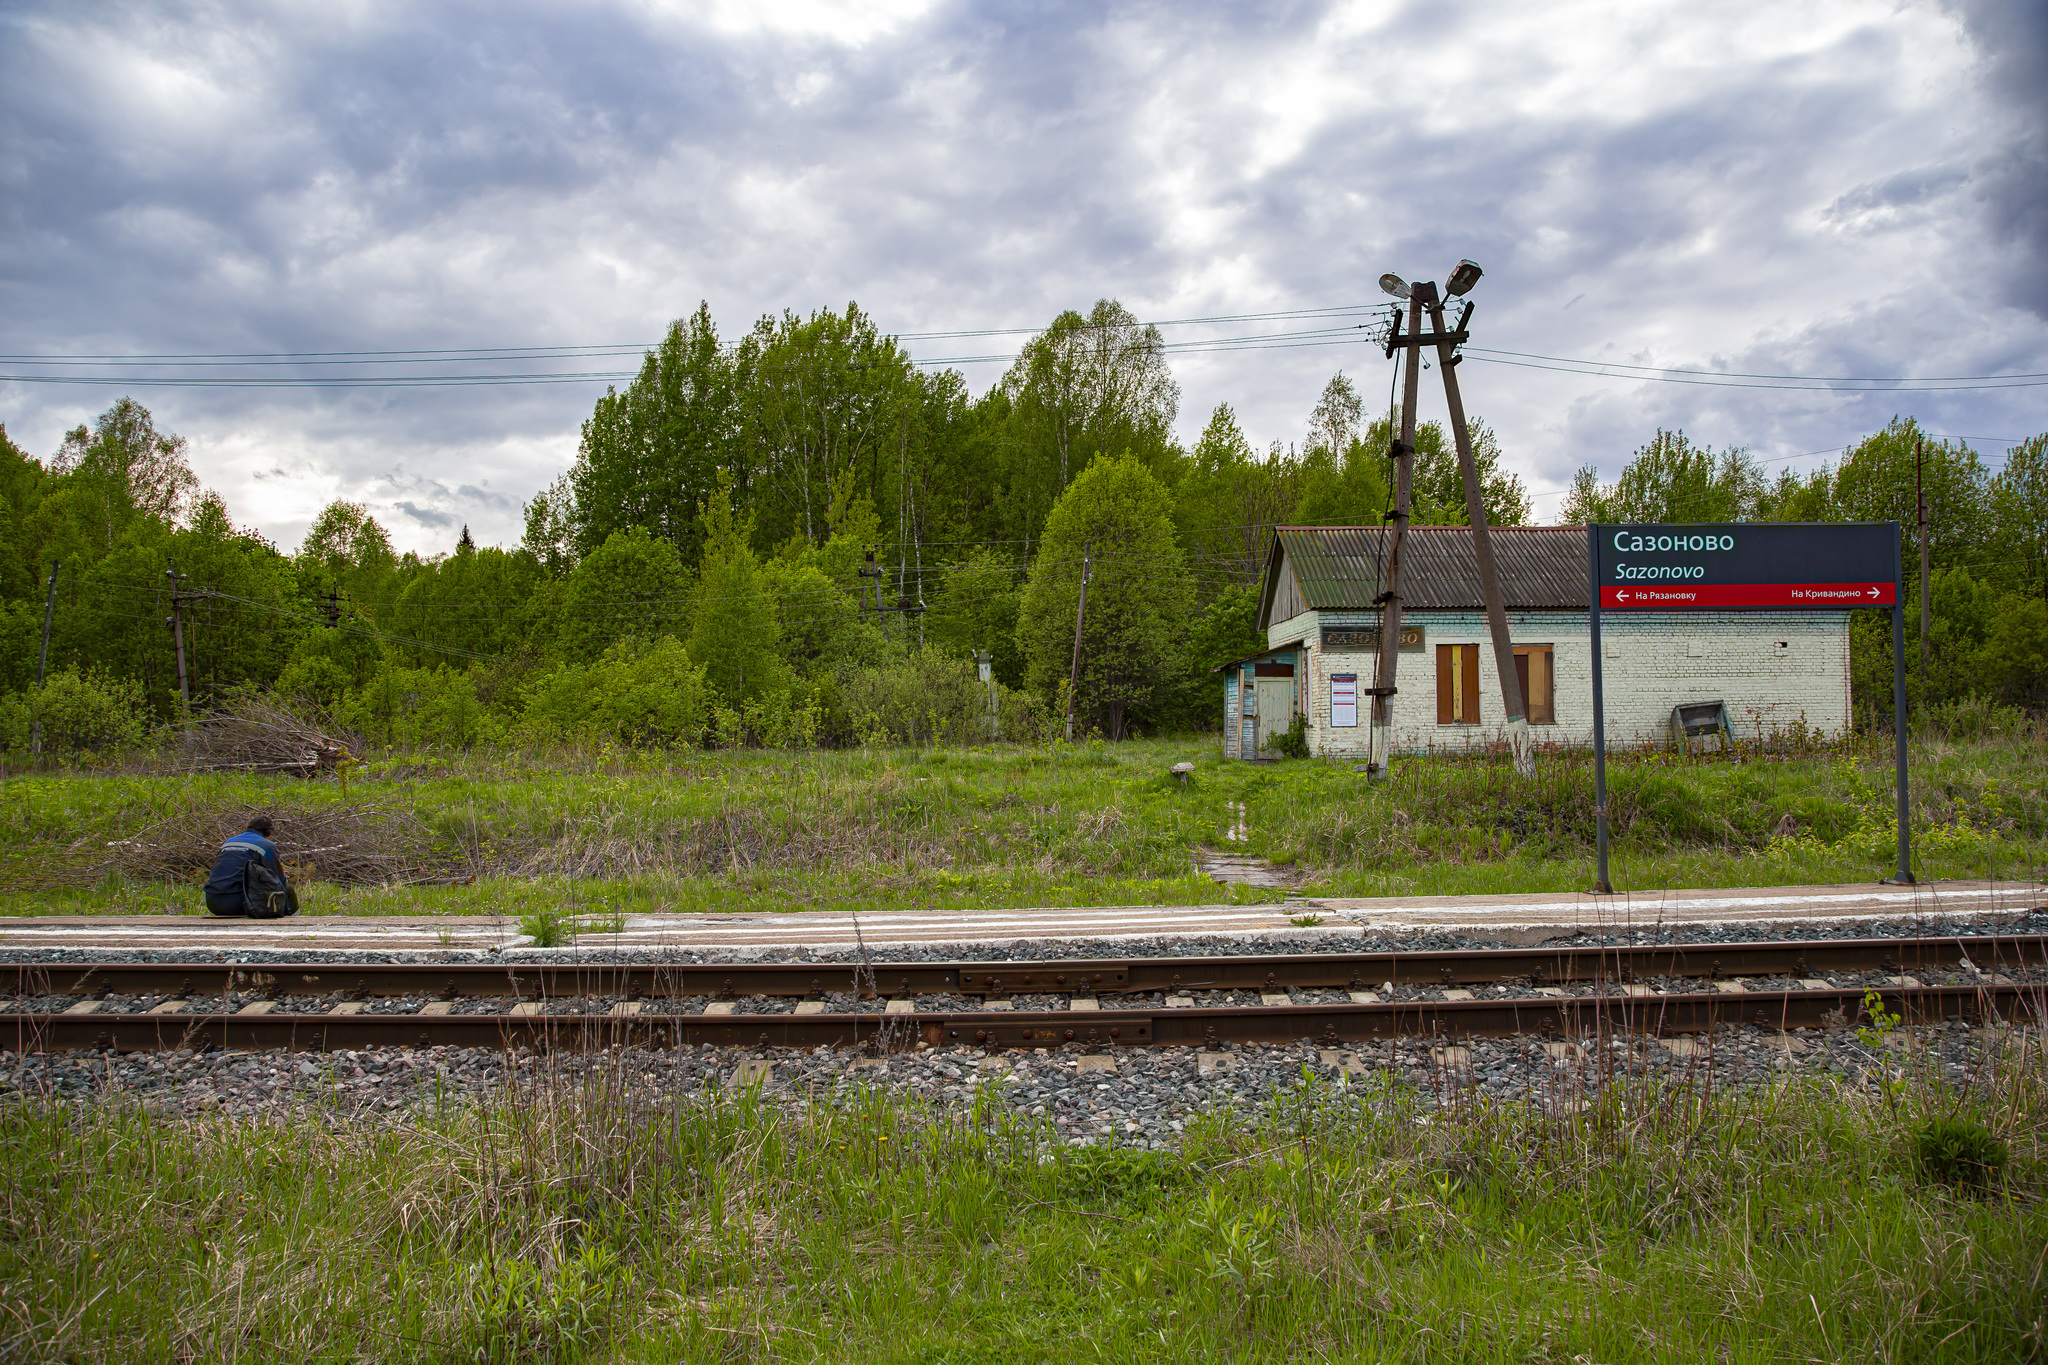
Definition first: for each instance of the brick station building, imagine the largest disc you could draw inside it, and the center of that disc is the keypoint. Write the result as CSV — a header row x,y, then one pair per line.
x,y
1772,670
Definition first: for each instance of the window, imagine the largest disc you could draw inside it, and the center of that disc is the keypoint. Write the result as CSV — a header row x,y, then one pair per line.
x,y
1457,684
1533,670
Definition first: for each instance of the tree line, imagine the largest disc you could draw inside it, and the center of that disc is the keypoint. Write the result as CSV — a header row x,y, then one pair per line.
x,y
802,536
1986,533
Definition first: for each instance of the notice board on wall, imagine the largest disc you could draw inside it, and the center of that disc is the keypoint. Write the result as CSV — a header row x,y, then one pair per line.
x,y
1343,700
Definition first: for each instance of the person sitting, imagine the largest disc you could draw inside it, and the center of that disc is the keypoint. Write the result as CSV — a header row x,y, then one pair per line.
x,y
247,878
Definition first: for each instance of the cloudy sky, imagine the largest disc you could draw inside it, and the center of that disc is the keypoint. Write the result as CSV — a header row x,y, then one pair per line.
x,y
1840,188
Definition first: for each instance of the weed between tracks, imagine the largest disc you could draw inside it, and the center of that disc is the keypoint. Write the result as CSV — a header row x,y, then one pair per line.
x,y
511,834
578,1217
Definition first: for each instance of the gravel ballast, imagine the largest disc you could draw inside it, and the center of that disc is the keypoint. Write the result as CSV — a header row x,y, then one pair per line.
x,y
1138,1097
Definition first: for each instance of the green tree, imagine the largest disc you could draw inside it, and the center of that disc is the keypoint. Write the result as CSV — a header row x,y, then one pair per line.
x,y
1670,480
468,605
1119,517
1880,478
976,609
125,466
2019,515
1087,386
348,552
1228,501
649,456
830,398
551,527
632,587
735,636
22,482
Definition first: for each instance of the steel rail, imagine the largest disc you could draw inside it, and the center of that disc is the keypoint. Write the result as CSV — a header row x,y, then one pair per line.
x,y
542,979
1556,1017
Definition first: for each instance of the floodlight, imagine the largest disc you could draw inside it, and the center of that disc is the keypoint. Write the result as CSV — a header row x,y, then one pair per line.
x,y
1463,278
1394,285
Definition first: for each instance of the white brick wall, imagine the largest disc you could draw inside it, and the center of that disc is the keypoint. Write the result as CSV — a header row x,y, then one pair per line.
x,y
1773,669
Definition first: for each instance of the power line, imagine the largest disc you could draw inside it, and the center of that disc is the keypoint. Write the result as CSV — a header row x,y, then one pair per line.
x,y
1740,374
1822,384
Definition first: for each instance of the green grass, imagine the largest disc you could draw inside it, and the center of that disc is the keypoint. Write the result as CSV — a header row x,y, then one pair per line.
x,y
581,1219
518,834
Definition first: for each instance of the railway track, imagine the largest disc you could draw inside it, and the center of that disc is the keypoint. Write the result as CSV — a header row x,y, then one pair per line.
x,y
1170,1000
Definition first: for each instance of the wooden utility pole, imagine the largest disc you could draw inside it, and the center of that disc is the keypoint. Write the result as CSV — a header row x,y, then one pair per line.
x,y
1379,750
1080,615
35,729
1482,540
178,633
1920,500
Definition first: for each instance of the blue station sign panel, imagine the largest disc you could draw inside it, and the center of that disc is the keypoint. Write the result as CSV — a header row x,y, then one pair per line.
x,y
1770,566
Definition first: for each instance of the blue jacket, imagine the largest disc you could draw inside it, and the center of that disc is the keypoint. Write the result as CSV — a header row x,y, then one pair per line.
x,y
226,878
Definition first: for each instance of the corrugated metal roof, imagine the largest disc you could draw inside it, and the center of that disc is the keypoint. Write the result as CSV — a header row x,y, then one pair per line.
x,y
1338,567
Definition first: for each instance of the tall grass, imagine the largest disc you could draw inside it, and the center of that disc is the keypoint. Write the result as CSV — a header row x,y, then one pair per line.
x,y
1002,824
584,1216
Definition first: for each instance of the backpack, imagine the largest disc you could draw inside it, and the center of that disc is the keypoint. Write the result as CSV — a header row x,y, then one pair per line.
x,y
265,894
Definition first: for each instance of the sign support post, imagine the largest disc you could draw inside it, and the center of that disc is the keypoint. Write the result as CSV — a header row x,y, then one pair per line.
x,y
1904,795
1773,566
1602,884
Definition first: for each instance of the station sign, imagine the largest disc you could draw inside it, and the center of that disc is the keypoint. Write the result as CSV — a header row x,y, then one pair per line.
x,y
1772,566
1366,639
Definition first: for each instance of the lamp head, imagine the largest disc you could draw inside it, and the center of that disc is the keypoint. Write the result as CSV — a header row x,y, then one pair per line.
x,y
1395,285
1463,278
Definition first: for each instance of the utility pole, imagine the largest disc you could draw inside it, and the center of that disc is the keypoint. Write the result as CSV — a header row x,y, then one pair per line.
x,y
35,729
1080,615
1482,540
1379,761
869,569
1920,499
177,625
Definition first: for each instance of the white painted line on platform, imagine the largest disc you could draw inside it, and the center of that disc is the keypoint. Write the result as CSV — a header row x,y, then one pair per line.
x,y
1533,917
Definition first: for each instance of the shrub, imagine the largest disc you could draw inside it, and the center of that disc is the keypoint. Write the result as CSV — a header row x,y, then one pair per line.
x,y
929,697
639,693
408,706
1952,1150
1293,741
81,713
1969,718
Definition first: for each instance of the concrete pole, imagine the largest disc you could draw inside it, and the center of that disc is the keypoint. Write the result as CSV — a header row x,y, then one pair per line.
x,y
1080,615
1379,750
35,735
178,635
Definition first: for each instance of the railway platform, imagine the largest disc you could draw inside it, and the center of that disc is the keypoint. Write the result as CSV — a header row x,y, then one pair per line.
x,y
1518,920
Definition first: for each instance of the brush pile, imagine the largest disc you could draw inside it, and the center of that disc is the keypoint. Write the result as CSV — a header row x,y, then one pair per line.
x,y
351,846
346,845
253,733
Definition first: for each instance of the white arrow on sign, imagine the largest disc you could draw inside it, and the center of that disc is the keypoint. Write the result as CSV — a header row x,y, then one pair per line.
x,y
1621,596
1875,593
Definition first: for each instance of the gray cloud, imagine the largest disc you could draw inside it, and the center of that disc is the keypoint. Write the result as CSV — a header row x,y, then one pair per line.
x,y
425,516
241,177
2011,37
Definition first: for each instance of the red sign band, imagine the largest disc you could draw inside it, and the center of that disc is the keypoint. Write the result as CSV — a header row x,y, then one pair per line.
x,y
1786,596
